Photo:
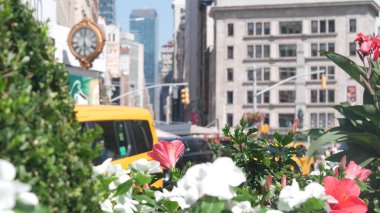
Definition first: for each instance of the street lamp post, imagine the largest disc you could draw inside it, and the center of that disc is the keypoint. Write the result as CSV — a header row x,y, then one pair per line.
x,y
254,92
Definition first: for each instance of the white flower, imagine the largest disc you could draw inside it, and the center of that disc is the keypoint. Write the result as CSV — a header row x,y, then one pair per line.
x,y
291,197
317,173
146,167
242,207
121,179
175,195
125,204
28,198
7,171
7,196
102,168
11,190
274,211
106,206
216,179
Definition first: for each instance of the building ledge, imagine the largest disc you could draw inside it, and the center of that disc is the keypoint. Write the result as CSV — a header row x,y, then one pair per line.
x,y
288,36
271,60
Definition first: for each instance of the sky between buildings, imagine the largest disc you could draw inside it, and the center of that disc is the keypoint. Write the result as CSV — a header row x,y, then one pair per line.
x,y
164,11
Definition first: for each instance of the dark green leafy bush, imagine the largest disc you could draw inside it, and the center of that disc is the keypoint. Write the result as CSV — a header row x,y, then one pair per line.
x,y
38,131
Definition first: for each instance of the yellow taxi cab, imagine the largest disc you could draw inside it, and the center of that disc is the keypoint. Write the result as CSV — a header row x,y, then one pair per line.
x,y
128,132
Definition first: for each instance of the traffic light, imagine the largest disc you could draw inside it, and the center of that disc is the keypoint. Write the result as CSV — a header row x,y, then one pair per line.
x,y
323,81
264,129
185,97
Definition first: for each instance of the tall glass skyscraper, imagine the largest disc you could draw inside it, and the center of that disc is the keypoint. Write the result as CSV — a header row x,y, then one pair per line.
x,y
144,25
107,10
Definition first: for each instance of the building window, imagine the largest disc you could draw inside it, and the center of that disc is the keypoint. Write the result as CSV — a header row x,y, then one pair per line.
x,y
266,28
250,51
291,27
331,95
230,97
330,120
285,120
259,52
331,26
230,74
322,96
331,47
322,120
352,25
330,72
259,28
250,28
314,49
249,97
266,74
322,26
230,28
230,52
250,75
266,118
322,47
266,98
314,26
352,48
288,50
314,96
313,120
266,51
287,96
287,72
230,119
262,74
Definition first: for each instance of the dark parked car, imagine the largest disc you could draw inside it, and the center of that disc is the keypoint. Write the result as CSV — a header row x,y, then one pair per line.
x,y
197,150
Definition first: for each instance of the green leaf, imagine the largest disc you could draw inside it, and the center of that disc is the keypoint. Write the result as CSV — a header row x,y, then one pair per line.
x,y
124,187
349,66
170,206
355,153
142,179
149,201
314,132
212,205
326,138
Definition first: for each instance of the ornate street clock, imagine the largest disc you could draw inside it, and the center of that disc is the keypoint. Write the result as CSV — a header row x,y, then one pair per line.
x,y
86,42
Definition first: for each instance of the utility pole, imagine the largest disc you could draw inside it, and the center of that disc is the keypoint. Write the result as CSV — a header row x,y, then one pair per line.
x,y
169,106
254,92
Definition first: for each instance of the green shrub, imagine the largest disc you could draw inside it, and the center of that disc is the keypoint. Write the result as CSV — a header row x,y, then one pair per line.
x,y
38,131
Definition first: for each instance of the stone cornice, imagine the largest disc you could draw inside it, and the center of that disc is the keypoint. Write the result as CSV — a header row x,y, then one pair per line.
x,y
217,9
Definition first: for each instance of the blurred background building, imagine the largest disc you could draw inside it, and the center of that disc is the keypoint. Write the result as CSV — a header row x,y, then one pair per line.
x,y
144,26
107,10
280,39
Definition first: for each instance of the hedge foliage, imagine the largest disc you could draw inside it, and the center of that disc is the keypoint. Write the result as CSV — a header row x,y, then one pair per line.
x,y
38,131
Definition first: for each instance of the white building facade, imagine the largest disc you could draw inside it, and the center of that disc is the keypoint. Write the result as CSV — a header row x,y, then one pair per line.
x,y
266,36
135,71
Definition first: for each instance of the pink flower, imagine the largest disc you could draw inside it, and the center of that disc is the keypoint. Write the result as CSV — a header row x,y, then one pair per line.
x,y
295,124
375,47
167,153
268,182
346,192
365,47
283,181
355,171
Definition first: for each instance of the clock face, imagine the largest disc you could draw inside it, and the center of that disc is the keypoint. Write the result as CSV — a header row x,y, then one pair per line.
x,y
84,41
